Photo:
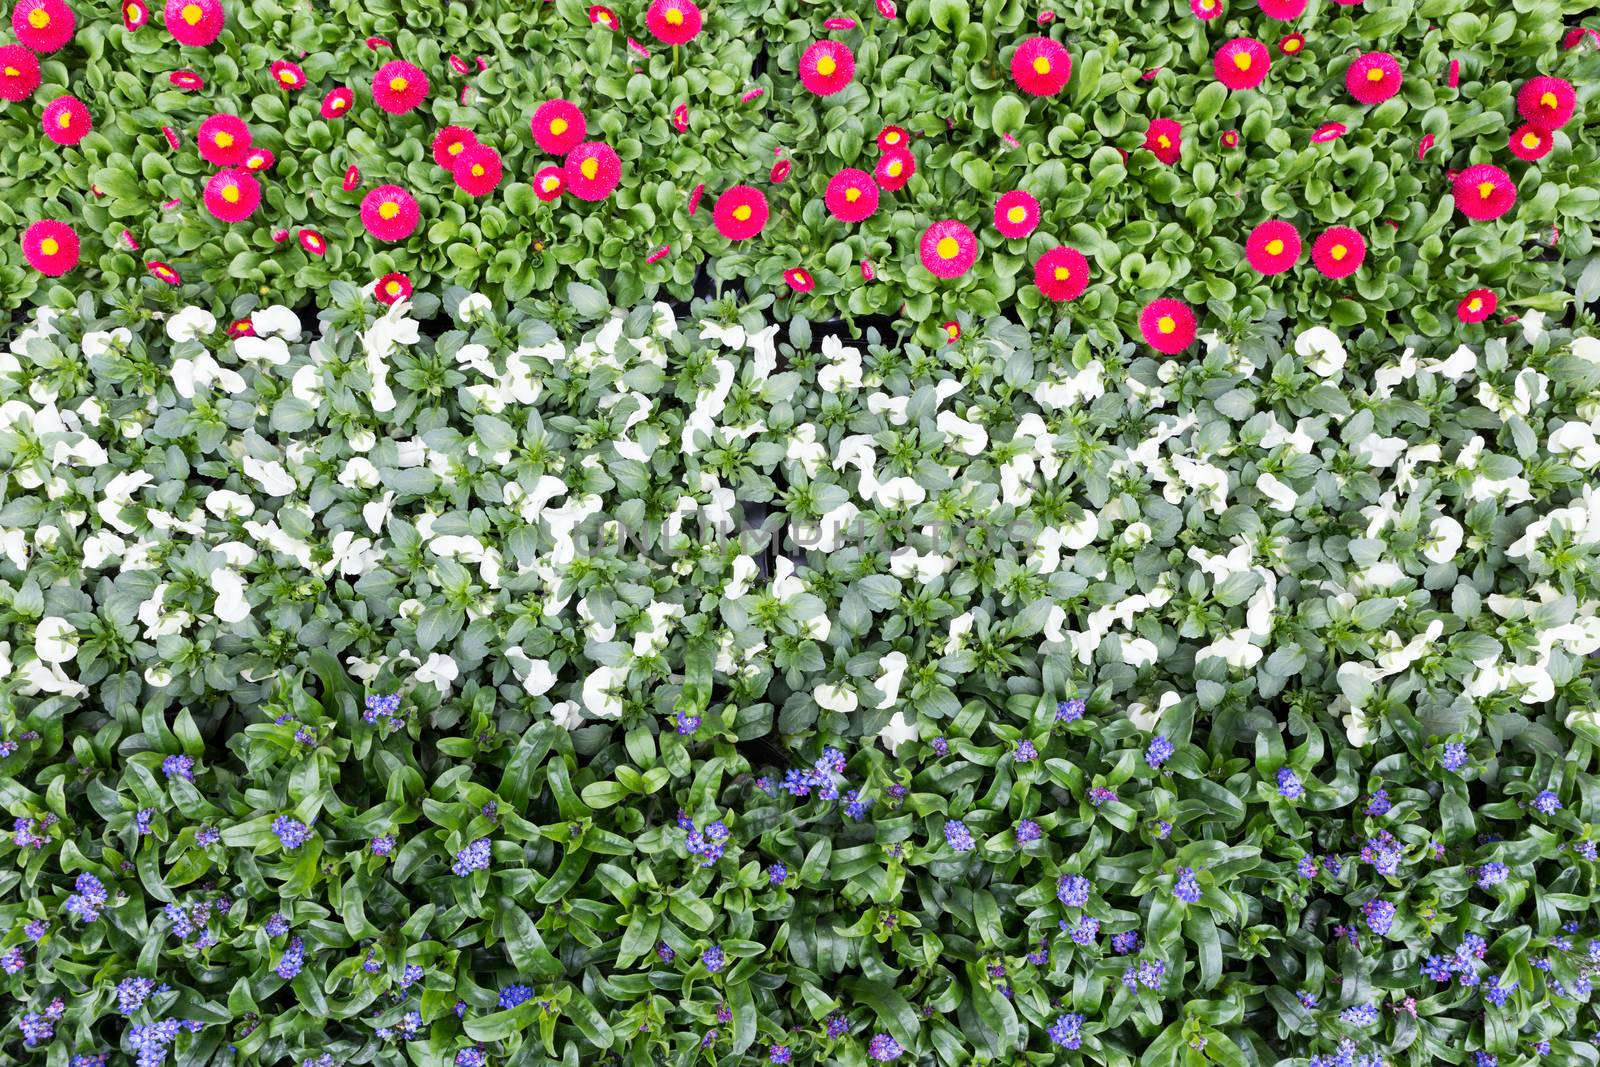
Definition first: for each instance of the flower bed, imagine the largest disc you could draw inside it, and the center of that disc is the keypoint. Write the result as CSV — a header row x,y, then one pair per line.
x,y
425,683
604,146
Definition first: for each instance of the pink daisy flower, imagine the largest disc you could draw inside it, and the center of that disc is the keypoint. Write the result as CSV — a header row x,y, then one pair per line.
x,y
1061,274
1484,191
43,25
948,249
1424,144
1373,78
852,195
593,170
1164,137
66,120
952,331
1205,10
1292,45
1328,131
312,242
288,75
134,15
839,24
1529,142
673,21
337,103
549,183
398,86
740,213
194,23
392,288
680,118
1339,251
1167,325
224,140
1041,66
19,72
605,18
886,8
1016,214
232,195
694,198
894,169
1282,10
352,177
867,273
163,272
558,126
478,170
389,213
1547,103
1229,139
799,279
259,159
50,247
658,255
780,171
892,138
449,143
187,80
1272,247
1477,306
826,67
1242,63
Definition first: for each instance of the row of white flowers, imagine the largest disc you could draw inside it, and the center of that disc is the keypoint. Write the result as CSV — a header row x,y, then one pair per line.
x,y
575,515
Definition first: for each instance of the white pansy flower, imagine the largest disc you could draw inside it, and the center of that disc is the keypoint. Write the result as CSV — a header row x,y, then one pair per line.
x,y
1444,539
55,640
1279,495
276,321
1323,350
897,732
537,677
190,323
840,698
231,605
599,692
440,671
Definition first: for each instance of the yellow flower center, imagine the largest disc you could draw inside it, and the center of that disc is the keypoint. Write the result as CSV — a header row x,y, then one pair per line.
x,y
1041,65
477,170
1017,214
852,194
397,84
133,12
1486,189
1062,274
1530,140
1291,46
1375,74
38,18
551,183
388,209
826,66
558,127
1165,324
223,140
893,138
12,72
894,168
1164,141
953,331
948,248
65,119
49,246
1338,252
674,17
454,149
590,167
339,103
192,14
230,193
1242,60
742,212
1274,247
286,77
1548,100
393,288
1474,304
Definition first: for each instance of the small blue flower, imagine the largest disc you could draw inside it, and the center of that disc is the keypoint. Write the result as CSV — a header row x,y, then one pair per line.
x,y
1159,752
277,925
1360,1015
1289,786
1073,890
1379,915
1378,803
1454,757
713,959
475,857
1186,889
178,767
884,1048
291,832
957,836
1025,752
1492,874
1070,710
779,1054
777,874
1125,943
1067,1031
513,995
1307,867
1547,803
1028,832
293,958
382,845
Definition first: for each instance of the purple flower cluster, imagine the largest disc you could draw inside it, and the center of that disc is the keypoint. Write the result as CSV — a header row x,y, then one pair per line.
x,y
1067,1031
1378,803
713,959
150,1043
293,959
1379,915
884,1048
1028,832
1384,852
1025,752
384,709
133,992
1454,757
1125,943
1547,803
1070,710
87,900
475,857
1159,751
1289,785
1360,1015
291,832
178,767
777,874
1492,874
1186,889
1073,890
382,845
1347,1056
958,837
1147,973
707,844
513,995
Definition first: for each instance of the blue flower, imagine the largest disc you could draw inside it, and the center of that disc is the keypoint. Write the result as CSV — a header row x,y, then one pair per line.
x,y
1187,889
293,958
856,806
958,837
411,974
1067,1031
777,874
1028,832
1498,994
1454,757
1378,803
665,952
940,746
779,1054
688,724
1086,931
1025,752
1289,786
512,995
1070,710
12,960
1125,943
142,820
178,767
1360,1015
713,959
1547,803
472,1057
1307,867
1379,915
277,925
884,1048
89,898
291,832
475,857
1159,752
1073,890
1152,973
382,845
837,1026
1492,874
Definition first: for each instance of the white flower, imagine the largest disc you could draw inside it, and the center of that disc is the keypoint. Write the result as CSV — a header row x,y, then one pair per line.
x,y
1458,365
537,677
599,698
190,323
270,475
839,698
271,350
276,320
97,343
1380,451
440,670
906,563
897,733
472,305
1279,495
55,640
744,569
567,714
843,370
1444,539
966,436
231,605
1323,348
1577,441
1533,326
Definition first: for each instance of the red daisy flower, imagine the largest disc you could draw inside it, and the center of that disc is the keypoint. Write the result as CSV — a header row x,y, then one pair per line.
x,y
1282,10
224,140
839,24
867,273
259,160
1373,78
279,236
1477,306
952,331
312,242
1452,76
827,67
195,23
892,138
352,177
673,21
389,213
894,169
375,43
948,249
1577,35
66,120
242,328
399,86
886,8
173,142
459,65
50,247
658,255
163,272
478,170
134,15
694,198
1016,214
19,72
780,171
1041,66
288,75
449,143
1530,143
593,170
604,16
1242,63
1484,191
1292,45
1339,251
800,279
43,25
558,127
391,288
1328,131
1167,325
852,195
187,80
549,183
680,118
1165,139
232,195
1205,10
1424,144
1061,274
639,48
1547,103
1229,139
1272,247
337,103
741,212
